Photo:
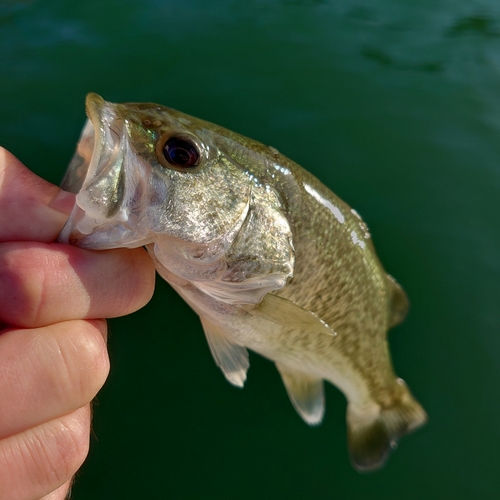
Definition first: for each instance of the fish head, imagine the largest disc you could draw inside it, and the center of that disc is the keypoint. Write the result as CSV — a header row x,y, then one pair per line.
x,y
142,170
147,175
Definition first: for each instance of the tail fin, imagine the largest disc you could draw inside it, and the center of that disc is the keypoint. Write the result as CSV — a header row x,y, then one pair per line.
x,y
372,435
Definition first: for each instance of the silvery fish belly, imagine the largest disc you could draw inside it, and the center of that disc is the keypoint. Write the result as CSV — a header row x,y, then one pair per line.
x,y
268,257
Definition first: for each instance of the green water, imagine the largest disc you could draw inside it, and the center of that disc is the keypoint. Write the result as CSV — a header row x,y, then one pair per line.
x,y
394,104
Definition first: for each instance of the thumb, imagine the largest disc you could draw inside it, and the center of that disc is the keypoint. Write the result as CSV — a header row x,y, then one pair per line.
x,y
31,209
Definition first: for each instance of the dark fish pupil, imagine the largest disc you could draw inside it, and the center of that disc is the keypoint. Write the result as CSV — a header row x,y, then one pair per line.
x,y
180,152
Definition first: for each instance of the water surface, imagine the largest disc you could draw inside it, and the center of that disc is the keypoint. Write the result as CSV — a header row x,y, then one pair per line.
x,y
395,105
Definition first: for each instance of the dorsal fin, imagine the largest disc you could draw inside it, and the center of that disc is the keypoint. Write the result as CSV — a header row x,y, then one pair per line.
x,y
231,358
305,392
399,303
287,313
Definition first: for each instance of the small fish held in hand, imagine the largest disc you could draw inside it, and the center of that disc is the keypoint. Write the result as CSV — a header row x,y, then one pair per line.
x,y
268,257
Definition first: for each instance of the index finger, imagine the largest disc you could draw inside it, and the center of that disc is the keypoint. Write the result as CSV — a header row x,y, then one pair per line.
x,y
31,209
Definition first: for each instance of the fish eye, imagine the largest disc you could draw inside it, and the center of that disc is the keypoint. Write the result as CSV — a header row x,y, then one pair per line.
x,y
179,152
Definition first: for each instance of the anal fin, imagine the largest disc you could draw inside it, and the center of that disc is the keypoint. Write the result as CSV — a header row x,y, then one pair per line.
x,y
231,358
305,392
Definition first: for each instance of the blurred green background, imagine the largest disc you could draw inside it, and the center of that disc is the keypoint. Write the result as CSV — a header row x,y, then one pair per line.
x,y
395,105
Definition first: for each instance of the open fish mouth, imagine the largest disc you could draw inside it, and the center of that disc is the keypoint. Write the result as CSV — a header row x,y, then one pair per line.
x,y
89,146
101,217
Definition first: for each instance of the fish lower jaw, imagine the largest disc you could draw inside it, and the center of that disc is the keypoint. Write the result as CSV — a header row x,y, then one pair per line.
x,y
105,238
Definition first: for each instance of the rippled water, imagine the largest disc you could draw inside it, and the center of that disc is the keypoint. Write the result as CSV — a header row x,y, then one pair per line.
x,y
393,104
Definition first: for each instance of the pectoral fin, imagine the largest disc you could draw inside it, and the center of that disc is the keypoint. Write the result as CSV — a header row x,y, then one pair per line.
x,y
231,358
287,313
305,392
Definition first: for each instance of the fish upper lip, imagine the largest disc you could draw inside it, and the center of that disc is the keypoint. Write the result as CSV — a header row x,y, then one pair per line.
x,y
101,129
100,149
94,104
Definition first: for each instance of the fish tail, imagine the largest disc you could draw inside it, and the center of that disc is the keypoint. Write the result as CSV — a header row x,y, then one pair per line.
x,y
373,433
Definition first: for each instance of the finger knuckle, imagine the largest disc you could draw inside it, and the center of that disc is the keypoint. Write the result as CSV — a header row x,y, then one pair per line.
x,y
84,363
41,459
22,274
137,287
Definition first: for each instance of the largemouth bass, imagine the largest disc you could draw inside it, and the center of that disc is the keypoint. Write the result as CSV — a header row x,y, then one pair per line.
x,y
267,256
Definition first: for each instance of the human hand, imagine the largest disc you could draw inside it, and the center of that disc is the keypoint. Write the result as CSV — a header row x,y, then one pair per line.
x,y
53,356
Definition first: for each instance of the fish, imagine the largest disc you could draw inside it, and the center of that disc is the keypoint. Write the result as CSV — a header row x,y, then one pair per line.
x,y
269,258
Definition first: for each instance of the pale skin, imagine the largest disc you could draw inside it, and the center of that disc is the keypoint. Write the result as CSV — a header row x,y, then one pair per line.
x,y
53,354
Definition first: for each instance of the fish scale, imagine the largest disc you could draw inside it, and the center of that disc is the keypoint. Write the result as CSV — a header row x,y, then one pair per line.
x,y
268,257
